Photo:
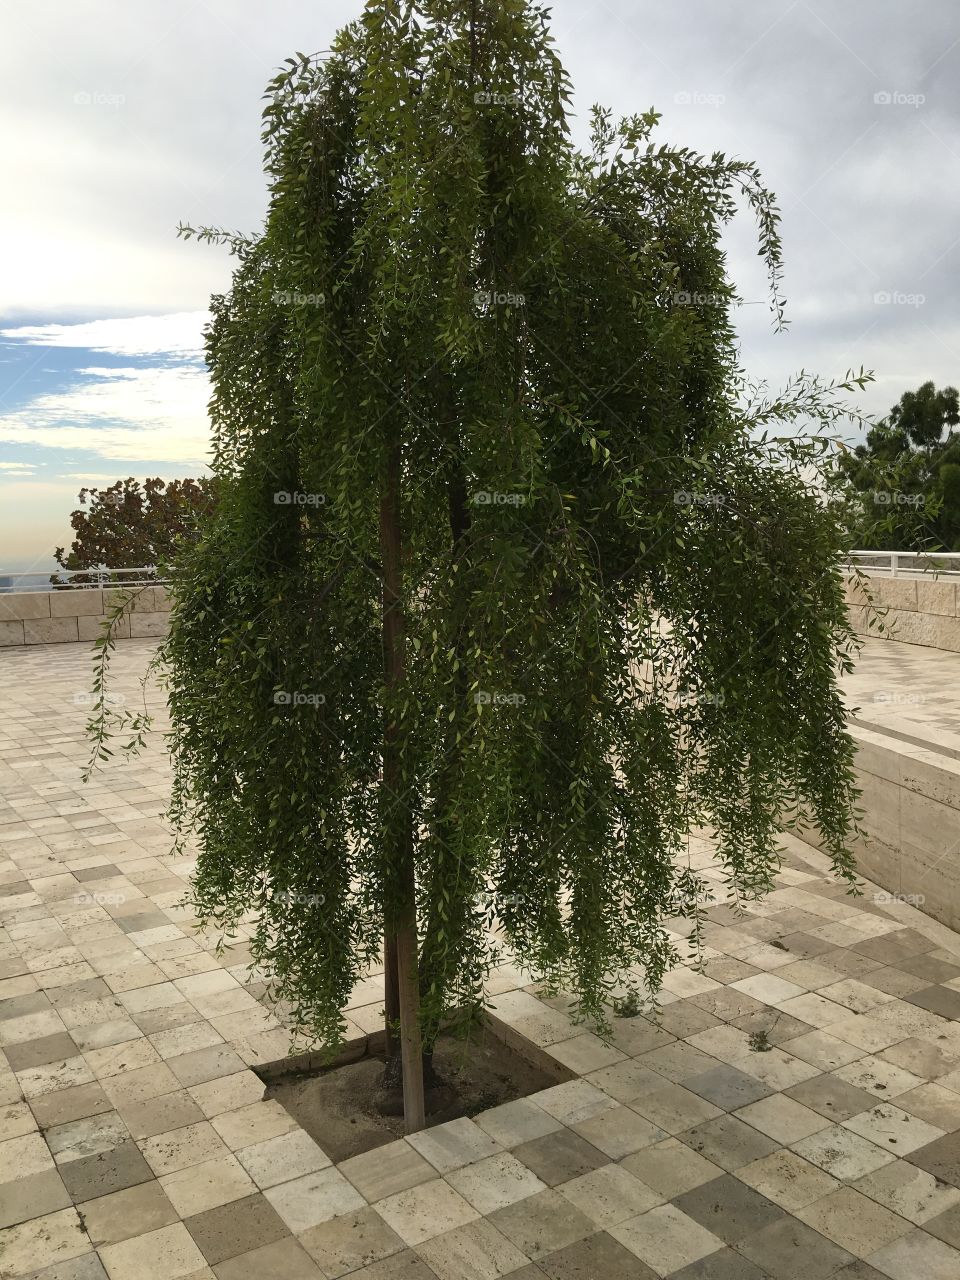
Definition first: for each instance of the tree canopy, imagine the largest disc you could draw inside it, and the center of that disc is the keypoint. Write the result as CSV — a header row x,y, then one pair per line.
x,y
613,593
901,488
129,525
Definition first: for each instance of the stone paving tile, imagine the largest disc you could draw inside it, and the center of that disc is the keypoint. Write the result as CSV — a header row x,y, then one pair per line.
x,y
558,1157
790,1250
32,1196
387,1170
597,1255
729,1208
132,1212
476,1251
353,1240
235,1228
127,1043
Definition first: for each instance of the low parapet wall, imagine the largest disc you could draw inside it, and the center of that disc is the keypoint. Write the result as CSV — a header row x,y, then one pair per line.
x,y
918,610
59,617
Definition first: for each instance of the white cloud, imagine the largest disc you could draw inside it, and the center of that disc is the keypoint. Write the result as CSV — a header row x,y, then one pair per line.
x,y
160,415
179,334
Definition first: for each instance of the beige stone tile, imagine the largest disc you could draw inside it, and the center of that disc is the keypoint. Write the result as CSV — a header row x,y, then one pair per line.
x,y
851,1220
166,1254
495,1182
782,1119
387,1170
666,1239
305,1202
42,1242
227,1093
16,1120
824,1051
670,1167
516,1122
452,1145
787,1179
180,1148
477,1251
674,1109
893,1129
254,1123
20,1157
585,1053
205,1186
86,1137
880,1078
58,1075
424,1211
280,1159
351,1241
909,1191
574,1102
842,1154
619,1132
933,1103
610,1195
121,1058
917,1254
140,1084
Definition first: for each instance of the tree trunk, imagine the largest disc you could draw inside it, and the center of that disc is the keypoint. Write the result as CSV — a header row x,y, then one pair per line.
x,y
400,928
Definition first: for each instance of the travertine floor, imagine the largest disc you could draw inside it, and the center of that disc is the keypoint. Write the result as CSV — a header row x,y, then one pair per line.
x,y
908,691
134,1141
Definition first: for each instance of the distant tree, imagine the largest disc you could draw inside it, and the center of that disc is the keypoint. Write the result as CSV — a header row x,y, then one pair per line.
x,y
901,489
923,414
129,525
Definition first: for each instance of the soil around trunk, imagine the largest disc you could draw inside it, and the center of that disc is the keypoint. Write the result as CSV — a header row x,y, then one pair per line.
x,y
347,1110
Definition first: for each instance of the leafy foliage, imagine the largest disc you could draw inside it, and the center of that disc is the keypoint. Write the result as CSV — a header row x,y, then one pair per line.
x,y
901,489
623,615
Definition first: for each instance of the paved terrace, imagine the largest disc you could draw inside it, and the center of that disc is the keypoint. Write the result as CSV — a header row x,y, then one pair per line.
x,y
134,1141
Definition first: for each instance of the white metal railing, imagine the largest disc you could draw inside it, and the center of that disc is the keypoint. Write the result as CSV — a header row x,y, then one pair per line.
x,y
907,564
77,579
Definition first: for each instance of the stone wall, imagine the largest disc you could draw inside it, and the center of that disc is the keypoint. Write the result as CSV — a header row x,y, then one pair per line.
x,y
919,610
911,823
58,617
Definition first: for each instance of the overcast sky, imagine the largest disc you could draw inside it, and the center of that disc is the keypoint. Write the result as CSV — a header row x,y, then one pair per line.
x,y
120,119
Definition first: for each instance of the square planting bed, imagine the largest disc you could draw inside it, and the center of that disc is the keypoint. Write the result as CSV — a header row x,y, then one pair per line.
x,y
344,1107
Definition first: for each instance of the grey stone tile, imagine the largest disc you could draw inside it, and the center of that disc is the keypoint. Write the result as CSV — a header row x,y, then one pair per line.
x,y
107,1171
558,1157
60,1106
723,1265
18,1006
134,1211
789,1250
832,1097
38,1053
729,1208
728,1142
32,1197
727,1088
941,1000
237,1227
941,1158
595,1257
281,1260
542,1224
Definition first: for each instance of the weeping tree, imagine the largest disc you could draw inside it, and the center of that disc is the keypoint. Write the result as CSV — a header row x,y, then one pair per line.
x,y
511,580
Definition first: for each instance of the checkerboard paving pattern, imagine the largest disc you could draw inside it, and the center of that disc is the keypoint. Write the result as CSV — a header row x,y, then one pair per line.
x,y
795,1112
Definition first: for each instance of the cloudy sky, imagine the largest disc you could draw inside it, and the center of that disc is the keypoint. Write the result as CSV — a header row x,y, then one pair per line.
x,y
122,117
